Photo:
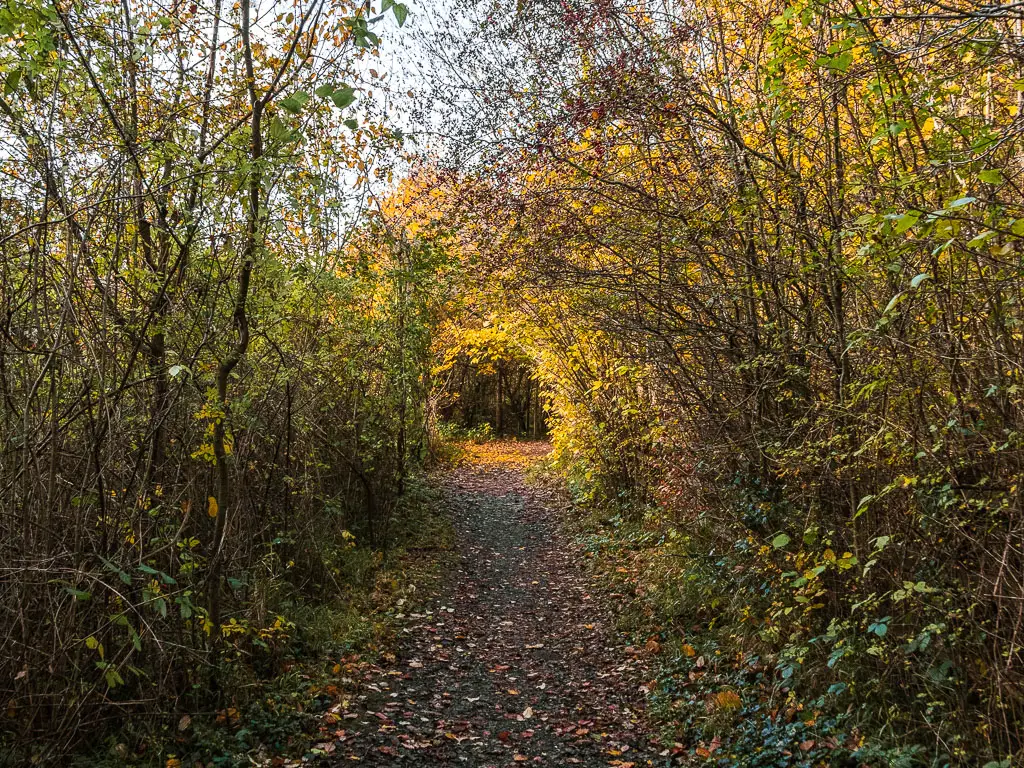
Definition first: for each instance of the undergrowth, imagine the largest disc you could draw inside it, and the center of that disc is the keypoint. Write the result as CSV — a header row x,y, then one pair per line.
x,y
728,690
275,693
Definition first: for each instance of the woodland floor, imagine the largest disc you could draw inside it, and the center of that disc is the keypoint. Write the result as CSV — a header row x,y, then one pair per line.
x,y
515,660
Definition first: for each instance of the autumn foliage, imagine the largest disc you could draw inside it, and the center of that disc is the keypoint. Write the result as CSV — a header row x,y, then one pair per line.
x,y
213,363
755,266
767,260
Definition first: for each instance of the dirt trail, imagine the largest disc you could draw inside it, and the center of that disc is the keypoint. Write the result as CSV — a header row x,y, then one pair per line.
x,y
517,662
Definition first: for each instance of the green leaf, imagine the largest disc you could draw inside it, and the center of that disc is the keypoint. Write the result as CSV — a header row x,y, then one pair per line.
x,y
11,81
780,541
352,123
862,505
906,221
78,594
324,91
185,606
960,202
343,96
295,102
993,176
122,575
918,279
112,677
361,33
402,13
892,303
981,239
165,578
842,62
279,131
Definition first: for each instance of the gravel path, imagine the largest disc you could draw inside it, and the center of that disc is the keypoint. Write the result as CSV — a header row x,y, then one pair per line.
x,y
516,663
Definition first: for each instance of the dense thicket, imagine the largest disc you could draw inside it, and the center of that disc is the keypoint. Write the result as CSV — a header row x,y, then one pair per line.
x,y
764,258
212,363
768,256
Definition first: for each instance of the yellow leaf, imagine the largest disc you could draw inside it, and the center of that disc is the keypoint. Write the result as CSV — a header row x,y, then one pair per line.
x,y
728,700
213,508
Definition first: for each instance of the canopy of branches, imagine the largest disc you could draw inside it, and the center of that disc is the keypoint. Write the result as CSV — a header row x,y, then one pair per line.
x,y
755,266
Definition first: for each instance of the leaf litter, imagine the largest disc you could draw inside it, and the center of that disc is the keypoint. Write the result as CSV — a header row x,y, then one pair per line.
x,y
516,663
